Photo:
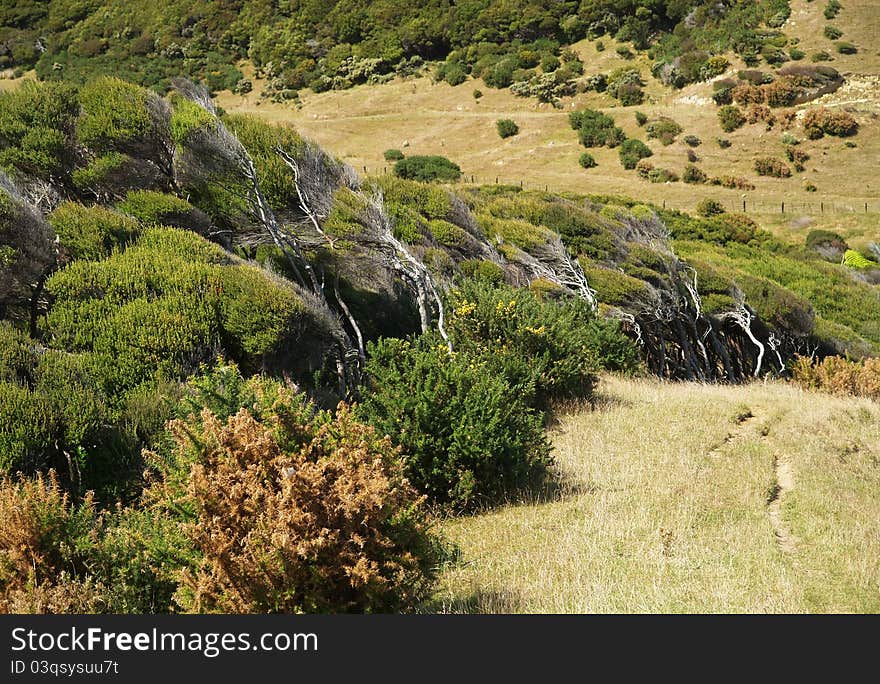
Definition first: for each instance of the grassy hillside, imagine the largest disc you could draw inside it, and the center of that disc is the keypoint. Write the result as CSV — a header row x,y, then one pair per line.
x,y
688,498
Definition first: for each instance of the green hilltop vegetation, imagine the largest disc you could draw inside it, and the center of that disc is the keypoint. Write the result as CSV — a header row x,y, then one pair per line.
x,y
325,45
237,377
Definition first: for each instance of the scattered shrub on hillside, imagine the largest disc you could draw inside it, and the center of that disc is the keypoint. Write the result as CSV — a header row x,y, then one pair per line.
x,y
797,157
821,56
769,166
846,48
664,129
839,376
586,160
709,207
832,8
477,93
730,118
692,140
506,128
796,54
631,151
821,121
625,84
692,156
393,155
723,143
693,174
832,32
641,118
595,129
427,168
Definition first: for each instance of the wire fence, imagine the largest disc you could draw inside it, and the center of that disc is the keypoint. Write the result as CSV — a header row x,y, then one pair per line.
x,y
746,204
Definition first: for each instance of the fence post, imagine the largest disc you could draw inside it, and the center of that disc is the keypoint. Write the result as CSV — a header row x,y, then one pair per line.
x,y
783,207
496,180
866,207
822,207
744,206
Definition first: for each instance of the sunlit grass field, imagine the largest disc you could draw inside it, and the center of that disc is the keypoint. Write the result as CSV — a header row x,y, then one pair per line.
x,y
688,498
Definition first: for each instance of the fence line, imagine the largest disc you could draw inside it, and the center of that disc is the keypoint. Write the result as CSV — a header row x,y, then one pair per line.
x,y
745,205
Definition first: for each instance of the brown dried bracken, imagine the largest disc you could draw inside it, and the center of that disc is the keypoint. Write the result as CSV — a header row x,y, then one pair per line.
x,y
332,526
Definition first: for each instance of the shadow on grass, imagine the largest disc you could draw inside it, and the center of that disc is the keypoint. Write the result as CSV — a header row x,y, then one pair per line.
x,y
481,601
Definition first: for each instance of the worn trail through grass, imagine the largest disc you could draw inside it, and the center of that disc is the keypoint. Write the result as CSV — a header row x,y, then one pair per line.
x,y
681,497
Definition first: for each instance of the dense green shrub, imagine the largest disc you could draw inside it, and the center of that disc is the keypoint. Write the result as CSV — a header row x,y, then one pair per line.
x,y
168,302
730,118
393,155
692,140
631,151
832,32
114,116
831,9
36,127
468,436
694,174
641,118
427,168
506,128
709,207
846,48
91,232
586,160
595,129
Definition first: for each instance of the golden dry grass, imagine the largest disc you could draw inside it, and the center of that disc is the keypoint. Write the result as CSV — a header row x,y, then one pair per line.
x,y
359,124
664,506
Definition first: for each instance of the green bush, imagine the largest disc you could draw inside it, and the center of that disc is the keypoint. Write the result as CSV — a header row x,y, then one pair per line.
x,y
664,129
641,118
832,8
846,48
586,160
595,129
427,168
692,141
694,174
393,155
730,118
114,115
36,122
709,207
631,151
154,208
506,128
832,32
91,232
468,437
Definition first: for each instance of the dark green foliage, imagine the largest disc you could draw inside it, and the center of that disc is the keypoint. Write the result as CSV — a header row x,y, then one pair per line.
x,y
427,168
692,140
694,174
641,118
469,438
393,155
832,32
631,151
586,160
831,9
730,118
845,48
506,128
595,129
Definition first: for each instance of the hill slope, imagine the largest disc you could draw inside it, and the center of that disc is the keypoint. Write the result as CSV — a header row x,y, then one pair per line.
x,y
688,498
